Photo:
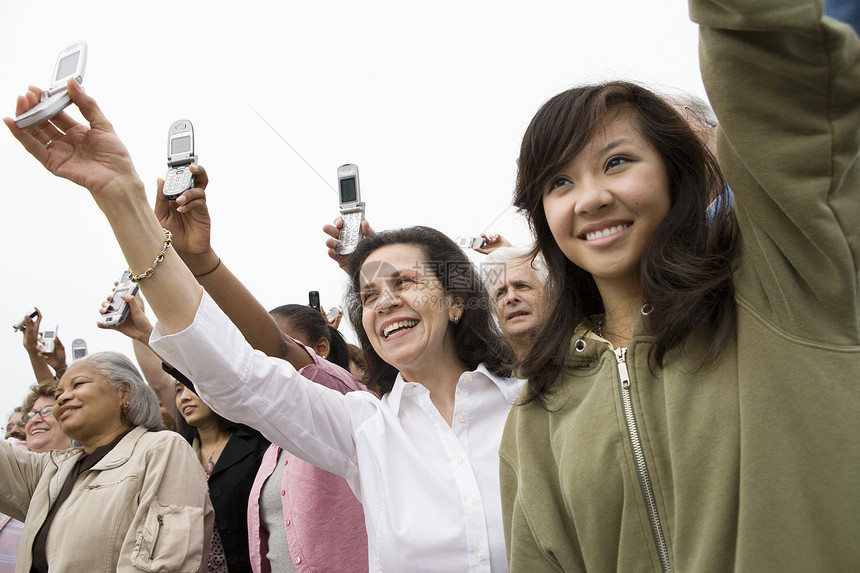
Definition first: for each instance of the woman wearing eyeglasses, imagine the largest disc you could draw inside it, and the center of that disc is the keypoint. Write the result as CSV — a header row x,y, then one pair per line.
x,y
131,497
41,429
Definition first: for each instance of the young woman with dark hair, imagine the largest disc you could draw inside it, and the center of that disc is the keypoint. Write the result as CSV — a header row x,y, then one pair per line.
x,y
689,401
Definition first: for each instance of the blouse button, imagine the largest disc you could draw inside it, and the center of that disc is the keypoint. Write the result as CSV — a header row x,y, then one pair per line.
x,y
283,492
288,523
471,500
461,418
479,556
458,460
297,560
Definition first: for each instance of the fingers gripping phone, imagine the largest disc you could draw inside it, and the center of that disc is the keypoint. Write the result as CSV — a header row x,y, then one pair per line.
x,y
49,340
117,309
71,63
351,208
20,324
79,348
180,156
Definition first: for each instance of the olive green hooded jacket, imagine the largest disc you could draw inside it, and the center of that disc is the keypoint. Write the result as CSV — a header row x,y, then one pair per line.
x,y
753,463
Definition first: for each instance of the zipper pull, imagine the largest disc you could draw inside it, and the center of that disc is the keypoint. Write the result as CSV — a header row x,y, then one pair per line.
x,y
156,537
621,357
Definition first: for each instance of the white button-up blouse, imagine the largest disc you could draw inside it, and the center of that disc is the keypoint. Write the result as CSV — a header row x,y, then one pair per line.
x,y
430,491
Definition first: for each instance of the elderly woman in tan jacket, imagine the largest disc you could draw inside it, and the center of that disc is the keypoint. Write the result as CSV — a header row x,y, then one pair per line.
x,y
130,498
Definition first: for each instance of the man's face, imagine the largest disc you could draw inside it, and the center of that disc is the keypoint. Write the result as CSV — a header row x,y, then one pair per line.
x,y
520,298
13,428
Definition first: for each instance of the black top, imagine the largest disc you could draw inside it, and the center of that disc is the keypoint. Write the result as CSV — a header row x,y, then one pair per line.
x,y
230,485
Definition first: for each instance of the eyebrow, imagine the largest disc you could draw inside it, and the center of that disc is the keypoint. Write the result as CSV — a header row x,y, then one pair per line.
x,y
397,274
612,145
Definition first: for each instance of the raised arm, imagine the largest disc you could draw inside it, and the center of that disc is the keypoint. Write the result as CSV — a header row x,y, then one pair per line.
x,y
188,219
94,157
137,327
785,84
30,330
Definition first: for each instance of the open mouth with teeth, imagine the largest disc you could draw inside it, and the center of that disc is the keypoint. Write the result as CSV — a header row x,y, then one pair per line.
x,y
398,326
35,431
605,232
65,413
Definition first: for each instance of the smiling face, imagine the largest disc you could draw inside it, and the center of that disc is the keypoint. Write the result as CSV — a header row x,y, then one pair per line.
x,y
192,408
405,312
89,406
520,299
43,433
604,205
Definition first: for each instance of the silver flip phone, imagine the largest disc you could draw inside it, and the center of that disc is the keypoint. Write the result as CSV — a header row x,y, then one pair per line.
x,y
49,340
79,348
180,156
471,242
71,63
117,308
351,208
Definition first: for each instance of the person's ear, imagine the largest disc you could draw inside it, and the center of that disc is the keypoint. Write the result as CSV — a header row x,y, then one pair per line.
x,y
321,347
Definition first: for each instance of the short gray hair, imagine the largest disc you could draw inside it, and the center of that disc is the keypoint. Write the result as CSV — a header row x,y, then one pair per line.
x,y
143,409
513,254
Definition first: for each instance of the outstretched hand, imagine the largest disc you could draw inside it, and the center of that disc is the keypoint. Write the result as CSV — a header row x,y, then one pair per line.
x,y
333,231
492,242
136,324
91,156
188,219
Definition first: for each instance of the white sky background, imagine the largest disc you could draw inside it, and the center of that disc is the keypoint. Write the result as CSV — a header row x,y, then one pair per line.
x,y
429,99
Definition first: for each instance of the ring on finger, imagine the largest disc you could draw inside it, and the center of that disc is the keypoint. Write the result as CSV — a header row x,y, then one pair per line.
x,y
49,144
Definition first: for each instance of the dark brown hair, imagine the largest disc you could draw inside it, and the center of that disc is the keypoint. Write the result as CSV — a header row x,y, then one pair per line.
x,y
686,270
477,337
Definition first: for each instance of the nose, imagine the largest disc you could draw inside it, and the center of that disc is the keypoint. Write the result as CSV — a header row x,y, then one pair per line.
x,y
593,196
387,300
511,296
184,395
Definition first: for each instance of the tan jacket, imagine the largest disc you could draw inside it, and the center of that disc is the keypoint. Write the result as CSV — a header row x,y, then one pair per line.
x,y
143,507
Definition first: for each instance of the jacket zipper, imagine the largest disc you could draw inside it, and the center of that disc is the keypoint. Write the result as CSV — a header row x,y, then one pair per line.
x,y
641,467
156,537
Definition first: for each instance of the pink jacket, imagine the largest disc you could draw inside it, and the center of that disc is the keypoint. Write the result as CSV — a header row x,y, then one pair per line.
x,y
323,519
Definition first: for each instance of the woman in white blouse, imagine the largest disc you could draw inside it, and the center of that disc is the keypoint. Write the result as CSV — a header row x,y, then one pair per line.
x,y
424,459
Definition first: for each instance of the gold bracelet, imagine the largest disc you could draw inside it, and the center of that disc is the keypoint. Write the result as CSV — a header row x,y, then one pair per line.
x,y
215,268
168,238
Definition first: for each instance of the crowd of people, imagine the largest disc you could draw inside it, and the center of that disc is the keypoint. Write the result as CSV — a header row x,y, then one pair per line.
x,y
662,381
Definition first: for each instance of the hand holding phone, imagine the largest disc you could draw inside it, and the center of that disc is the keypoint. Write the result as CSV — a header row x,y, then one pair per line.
x,y
71,63
180,156
351,208
117,309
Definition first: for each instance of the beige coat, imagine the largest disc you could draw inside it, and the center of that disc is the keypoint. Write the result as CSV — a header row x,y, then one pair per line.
x,y
143,507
